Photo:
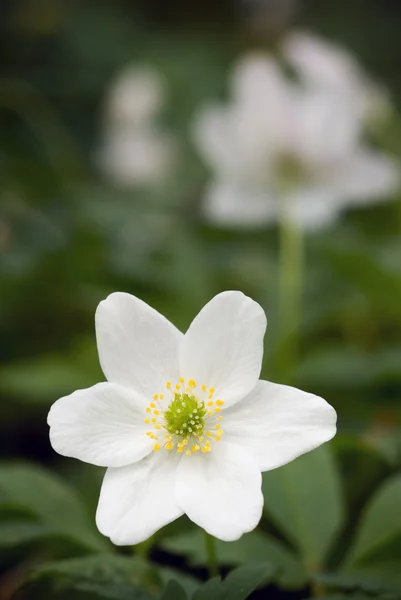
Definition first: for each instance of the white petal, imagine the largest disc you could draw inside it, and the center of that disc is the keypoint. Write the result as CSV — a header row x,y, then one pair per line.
x,y
138,347
102,425
325,127
137,500
367,176
223,347
315,207
319,61
277,423
239,205
221,491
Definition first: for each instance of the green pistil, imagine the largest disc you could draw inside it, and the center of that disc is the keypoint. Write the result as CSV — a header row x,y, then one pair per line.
x,y
185,416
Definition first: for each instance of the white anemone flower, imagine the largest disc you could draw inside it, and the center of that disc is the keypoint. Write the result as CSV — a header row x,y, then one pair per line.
x,y
135,149
282,148
183,423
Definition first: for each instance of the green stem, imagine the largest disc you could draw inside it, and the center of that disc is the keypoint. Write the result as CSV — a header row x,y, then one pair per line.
x,y
290,294
210,546
143,549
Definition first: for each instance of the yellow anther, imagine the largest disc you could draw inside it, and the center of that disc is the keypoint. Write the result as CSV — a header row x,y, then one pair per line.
x,y
219,417
149,433
217,425
209,434
177,386
210,403
161,396
185,442
201,439
220,402
168,446
211,391
148,409
156,447
192,383
220,432
154,420
157,426
155,397
153,405
188,452
203,388
168,385
180,450
156,412
210,412
217,438
195,448
217,409
146,420
180,445
182,380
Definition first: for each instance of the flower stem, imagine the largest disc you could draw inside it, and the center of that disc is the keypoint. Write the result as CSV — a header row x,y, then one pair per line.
x,y
210,546
290,294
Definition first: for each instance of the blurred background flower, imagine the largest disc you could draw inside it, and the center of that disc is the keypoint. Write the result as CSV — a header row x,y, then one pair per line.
x,y
294,148
135,149
175,150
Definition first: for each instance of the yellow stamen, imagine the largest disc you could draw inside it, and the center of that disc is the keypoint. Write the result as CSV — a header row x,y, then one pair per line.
x,y
210,403
177,386
156,412
168,385
157,426
148,410
154,420
161,396
219,402
155,397
182,380
188,452
156,447
153,405
168,446
203,388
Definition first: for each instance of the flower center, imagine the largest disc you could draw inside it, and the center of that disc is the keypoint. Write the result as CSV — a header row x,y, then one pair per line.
x,y
188,420
185,416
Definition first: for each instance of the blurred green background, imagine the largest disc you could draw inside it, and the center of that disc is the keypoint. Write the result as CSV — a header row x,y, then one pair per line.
x,y
69,236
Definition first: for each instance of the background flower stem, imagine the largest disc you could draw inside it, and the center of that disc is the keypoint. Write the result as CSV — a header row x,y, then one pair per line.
x,y
290,294
210,546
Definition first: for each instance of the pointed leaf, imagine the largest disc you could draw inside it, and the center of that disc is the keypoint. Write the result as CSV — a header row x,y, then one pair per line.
x,y
174,591
47,500
241,582
304,499
380,524
210,590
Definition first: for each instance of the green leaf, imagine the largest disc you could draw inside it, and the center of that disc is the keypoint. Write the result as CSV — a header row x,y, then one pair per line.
x,y
49,502
380,524
19,533
305,500
209,591
250,548
374,578
174,591
241,582
91,578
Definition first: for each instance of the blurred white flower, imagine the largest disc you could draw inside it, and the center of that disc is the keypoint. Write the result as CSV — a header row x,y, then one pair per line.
x,y
286,148
183,423
135,150
323,64
136,95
